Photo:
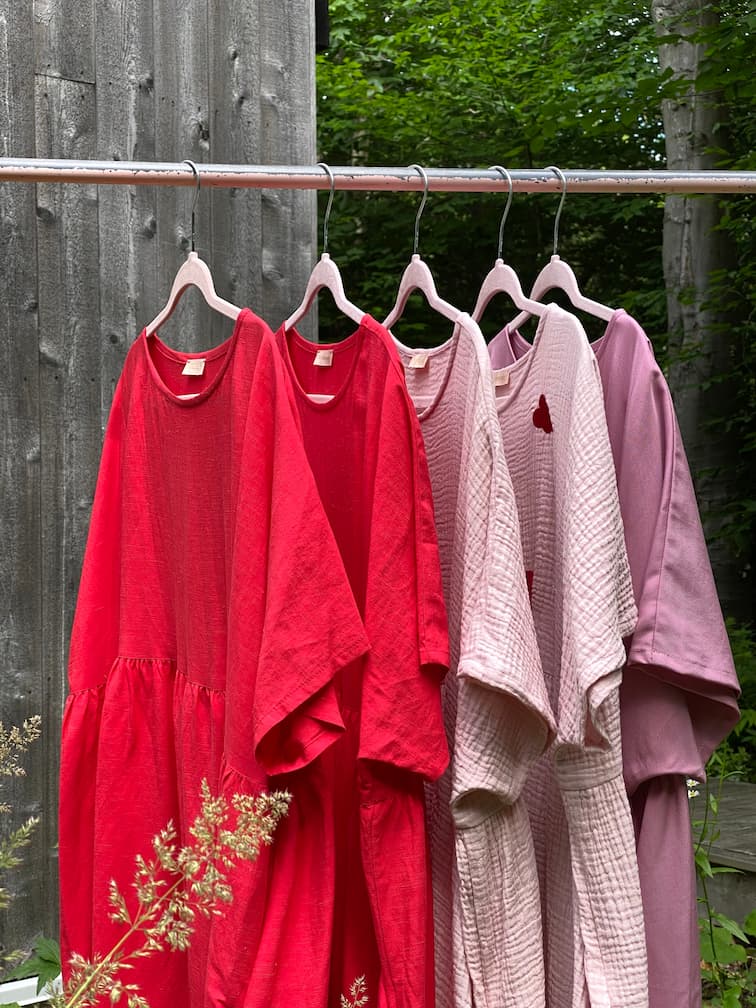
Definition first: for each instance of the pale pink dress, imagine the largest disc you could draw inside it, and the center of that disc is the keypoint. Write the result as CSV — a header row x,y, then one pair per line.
x,y
487,914
679,693
557,448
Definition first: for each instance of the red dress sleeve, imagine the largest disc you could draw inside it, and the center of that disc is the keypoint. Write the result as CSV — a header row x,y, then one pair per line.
x,y
401,719
293,621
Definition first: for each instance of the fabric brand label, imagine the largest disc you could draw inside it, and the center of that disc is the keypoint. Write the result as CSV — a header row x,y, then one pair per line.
x,y
323,358
194,366
501,379
418,361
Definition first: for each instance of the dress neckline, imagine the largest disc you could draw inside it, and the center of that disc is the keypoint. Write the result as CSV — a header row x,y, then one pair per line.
x,y
449,347
352,343
153,343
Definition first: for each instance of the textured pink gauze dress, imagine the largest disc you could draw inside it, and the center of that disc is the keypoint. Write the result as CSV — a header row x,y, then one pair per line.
x,y
679,693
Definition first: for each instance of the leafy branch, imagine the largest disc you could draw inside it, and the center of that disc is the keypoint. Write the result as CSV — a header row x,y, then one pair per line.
x,y
172,888
14,743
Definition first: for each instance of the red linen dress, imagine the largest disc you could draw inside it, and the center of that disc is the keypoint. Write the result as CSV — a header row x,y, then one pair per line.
x,y
366,450
210,573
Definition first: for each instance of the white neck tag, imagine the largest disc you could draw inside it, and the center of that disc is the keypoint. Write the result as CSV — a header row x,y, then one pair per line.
x,y
418,361
194,366
323,358
501,379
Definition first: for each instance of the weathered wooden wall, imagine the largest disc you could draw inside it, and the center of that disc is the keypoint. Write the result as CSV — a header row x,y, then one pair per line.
x,y
83,267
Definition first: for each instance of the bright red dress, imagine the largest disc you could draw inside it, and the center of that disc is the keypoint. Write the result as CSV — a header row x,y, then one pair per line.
x,y
365,446
211,575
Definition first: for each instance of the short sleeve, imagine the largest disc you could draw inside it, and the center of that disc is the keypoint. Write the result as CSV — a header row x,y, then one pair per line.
x,y
293,621
680,637
401,722
504,719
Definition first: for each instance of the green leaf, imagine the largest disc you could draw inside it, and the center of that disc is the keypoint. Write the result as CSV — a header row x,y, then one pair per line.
x,y
731,997
47,973
44,963
724,950
730,925
48,950
703,865
749,925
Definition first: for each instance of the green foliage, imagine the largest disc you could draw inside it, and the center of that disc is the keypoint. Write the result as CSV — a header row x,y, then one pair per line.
x,y
14,743
736,755
728,976
44,963
519,84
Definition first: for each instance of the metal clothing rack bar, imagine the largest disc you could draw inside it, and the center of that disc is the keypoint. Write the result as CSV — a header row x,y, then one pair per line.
x,y
376,179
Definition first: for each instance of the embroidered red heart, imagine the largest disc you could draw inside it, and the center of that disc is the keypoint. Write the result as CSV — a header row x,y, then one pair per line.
x,y
541,416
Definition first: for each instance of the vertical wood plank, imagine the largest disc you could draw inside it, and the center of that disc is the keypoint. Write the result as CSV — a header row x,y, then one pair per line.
x,y
64,38
235,58
69,348
182,131
125,96
287,99
21,691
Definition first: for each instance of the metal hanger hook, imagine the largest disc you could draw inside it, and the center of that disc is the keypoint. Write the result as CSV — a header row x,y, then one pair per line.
x,y
424,177
195,172
326,218
508,177
561,176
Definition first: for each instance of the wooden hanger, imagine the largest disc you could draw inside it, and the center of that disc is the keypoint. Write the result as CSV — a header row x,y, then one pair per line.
x,y
326,275
559,274
417,275
502,279
193,272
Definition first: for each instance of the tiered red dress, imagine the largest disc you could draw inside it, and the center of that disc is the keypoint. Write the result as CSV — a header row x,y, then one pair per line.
x,y
213,619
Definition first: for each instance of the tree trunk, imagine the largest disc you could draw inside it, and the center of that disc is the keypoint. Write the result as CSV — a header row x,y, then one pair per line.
x,y
702,340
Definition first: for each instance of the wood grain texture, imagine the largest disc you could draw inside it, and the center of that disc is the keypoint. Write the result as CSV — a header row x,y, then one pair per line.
x,y
20,556
69,382
235,60
84,267
125,98
64,38
287,104
182,131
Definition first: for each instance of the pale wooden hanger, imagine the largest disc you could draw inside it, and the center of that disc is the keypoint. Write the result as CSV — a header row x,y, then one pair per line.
x,y
193,272
502,279
558,273
417,275
325,275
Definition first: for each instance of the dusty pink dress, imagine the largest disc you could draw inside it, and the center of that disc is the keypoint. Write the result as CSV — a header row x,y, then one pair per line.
x,y
557,449
487,913
679,693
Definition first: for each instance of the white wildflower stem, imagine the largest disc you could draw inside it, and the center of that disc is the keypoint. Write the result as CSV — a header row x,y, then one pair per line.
x,y
138,924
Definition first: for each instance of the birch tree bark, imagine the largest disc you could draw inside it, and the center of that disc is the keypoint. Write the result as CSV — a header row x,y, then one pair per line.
x,y
702,341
